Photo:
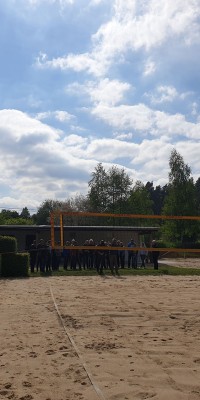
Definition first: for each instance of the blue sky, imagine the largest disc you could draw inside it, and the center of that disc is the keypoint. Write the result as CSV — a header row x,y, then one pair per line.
x,y
89,81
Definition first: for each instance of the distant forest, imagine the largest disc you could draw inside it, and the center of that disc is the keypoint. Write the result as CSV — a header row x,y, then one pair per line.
x,y
113,191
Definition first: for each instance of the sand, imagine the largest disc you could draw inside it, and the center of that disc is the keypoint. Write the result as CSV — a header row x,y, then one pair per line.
x,y
67,338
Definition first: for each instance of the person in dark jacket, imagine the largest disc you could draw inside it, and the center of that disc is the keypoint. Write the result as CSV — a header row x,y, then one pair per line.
x,y
33,255
155,254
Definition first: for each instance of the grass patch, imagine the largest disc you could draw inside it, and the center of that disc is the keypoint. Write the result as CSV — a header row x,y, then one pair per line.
x,y
162,270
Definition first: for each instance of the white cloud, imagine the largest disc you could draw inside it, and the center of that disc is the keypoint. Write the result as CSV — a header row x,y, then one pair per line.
x,y
133,27
40,164
107,92
149,68
138,117
93,64
123,136
19,125
164,94
59,115
147,121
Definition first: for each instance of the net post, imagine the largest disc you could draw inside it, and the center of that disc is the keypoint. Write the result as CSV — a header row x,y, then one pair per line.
x,y
61,230
52,230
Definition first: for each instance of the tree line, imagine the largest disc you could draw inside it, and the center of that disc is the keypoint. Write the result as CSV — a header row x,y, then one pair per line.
x,y
113,192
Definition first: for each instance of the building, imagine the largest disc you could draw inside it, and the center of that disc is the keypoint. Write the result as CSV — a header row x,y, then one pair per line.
x,y
25,234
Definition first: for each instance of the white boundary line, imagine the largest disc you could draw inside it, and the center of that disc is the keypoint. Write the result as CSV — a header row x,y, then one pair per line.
x,y
95,386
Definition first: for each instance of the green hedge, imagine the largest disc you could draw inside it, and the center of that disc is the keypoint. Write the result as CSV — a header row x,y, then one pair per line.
x,y
15,265
8,244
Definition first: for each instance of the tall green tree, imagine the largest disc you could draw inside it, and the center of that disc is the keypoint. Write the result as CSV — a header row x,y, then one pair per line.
x,y
109,190
6,214
140,203
197,186
98,185
181,200
43,214
118,189
25,213
157,195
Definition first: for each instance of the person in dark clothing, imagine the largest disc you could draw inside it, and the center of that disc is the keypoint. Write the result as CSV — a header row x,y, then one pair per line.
x,y
122,256
66,256
143,255
101,258
85,254
33,255
113,257
91,255
48,256
132,255
74,256
155,254
41,255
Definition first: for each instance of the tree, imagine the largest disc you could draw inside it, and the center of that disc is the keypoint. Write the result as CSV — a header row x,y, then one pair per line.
x,y
181,200
43,213
19,221
197,186
140,202
118,190
25,213
98,185
157,195
6,214
109,191
78,203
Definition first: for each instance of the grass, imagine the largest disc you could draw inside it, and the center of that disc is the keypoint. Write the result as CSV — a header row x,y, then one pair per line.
x,y
162,270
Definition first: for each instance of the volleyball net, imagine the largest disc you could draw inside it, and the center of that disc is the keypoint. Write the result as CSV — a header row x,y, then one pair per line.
x,y
61,220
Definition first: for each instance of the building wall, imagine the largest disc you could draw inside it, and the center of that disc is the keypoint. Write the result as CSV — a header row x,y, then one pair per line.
x,y
26,234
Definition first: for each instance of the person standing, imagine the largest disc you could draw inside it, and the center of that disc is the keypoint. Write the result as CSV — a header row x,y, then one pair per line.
x,y
33,255
66,256
41,255
48,256
122,255
143,254
155,254
113,257
132,255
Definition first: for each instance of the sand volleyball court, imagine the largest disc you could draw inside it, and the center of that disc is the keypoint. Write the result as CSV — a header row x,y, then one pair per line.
x,y
91,338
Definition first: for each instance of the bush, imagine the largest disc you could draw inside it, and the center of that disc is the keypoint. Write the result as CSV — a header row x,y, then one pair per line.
x,y
8,244
15,265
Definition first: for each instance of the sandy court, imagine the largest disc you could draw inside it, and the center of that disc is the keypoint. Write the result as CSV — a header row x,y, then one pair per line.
x,y
118,338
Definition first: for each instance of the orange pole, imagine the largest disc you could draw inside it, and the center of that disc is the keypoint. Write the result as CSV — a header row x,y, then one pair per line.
x,y
52,231
61,229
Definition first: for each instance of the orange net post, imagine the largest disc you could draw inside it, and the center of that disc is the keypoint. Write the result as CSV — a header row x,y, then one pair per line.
x,y
61,230
52,231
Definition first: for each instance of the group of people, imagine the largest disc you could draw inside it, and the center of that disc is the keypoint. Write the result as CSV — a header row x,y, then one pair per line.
x,y
43,258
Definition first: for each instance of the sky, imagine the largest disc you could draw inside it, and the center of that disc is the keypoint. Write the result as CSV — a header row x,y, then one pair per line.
x,y
84,82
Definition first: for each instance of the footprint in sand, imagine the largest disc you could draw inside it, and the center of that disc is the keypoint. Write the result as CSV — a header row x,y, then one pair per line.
x,y
49,352
33,354
26,384
4,392
7,385
63,348
146,395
